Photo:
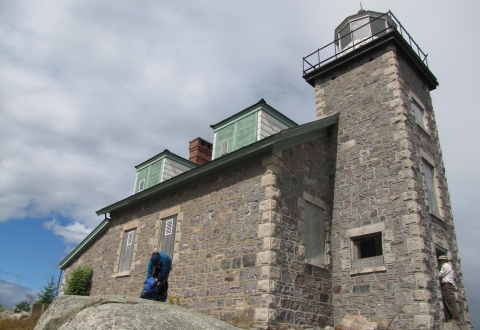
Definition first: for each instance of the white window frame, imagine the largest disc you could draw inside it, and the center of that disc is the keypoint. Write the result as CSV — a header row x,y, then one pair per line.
x,y
168,226
140,186
130,235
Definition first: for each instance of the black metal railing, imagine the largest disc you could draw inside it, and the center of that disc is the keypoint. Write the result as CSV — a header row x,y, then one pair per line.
x,y
331,51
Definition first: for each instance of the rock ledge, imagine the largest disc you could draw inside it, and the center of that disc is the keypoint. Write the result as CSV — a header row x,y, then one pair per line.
x,y
122,312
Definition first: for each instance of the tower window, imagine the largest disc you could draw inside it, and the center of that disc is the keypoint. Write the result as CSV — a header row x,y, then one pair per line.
x,y
367,251
360,29
345,37
429,172
369,247
419,114
379,26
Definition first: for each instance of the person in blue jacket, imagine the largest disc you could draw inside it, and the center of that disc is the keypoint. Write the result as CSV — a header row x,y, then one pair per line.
x,y
159,267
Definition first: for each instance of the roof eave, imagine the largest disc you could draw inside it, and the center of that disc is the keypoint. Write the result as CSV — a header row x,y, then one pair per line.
x,y
261,103
84,244
164,154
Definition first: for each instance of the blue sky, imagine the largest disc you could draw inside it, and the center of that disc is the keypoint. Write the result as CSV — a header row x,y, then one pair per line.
x,y
30,257
89,89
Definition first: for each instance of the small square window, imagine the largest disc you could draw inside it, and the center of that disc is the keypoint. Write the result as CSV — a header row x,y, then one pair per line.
x,y
367,251
369,247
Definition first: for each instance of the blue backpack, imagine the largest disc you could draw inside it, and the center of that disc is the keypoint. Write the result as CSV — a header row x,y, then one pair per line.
x,y
150,290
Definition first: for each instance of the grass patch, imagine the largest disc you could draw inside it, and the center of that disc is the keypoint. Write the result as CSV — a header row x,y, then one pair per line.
x,y
24,324
175,301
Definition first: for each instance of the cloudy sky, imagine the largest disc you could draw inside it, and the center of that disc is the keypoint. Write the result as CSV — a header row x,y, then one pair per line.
x,y
88,89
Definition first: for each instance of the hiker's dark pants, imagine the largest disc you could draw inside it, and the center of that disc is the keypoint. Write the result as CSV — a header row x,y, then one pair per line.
x,y
163,289
448,294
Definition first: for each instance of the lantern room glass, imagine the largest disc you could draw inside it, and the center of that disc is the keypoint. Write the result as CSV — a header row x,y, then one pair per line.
x,y
361,29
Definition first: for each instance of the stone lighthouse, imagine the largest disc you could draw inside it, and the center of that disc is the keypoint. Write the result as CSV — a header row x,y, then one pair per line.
x,y
391,215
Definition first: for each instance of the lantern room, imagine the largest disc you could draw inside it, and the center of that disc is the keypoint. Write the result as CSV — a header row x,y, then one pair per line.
x,y
365,26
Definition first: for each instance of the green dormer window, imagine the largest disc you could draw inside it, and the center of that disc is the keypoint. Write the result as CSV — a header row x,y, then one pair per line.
x,y
159,168
246,127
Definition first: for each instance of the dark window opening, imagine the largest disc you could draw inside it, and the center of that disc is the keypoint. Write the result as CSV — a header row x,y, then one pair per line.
x,y
370,247
367,251
439,251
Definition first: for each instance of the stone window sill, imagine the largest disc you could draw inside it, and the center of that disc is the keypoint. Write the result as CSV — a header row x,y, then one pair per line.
x,y
423,128
368,270
316,264
124,274
438,216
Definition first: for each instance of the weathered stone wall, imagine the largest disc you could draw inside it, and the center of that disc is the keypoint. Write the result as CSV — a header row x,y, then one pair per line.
x,y
434,229
379,187
234,231
215,264
368,178
302,291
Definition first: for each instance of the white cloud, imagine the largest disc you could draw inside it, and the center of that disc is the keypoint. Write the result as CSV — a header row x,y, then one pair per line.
x,y
71,233
12,293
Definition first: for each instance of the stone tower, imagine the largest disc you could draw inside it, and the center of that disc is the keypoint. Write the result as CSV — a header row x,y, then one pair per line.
x,y
391,212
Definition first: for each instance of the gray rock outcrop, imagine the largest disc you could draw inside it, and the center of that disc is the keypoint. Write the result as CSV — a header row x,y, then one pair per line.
x,y
122,312
13,313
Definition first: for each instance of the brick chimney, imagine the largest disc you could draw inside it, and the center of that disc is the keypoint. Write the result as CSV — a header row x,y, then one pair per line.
x,y
200,151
